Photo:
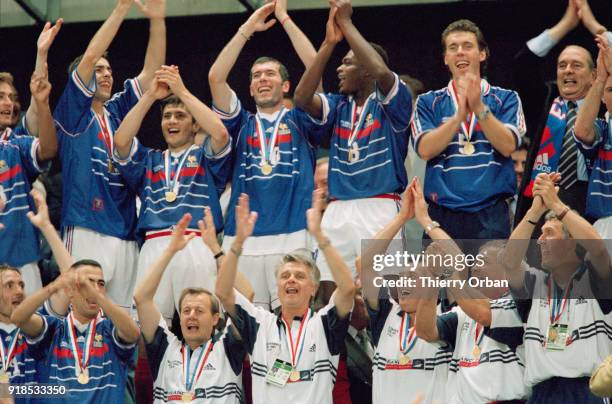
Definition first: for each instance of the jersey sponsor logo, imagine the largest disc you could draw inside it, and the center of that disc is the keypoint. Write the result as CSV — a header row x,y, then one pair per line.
x,y
3,167
210,367
345,124
392,331
271,346
541,163
369,121
465,327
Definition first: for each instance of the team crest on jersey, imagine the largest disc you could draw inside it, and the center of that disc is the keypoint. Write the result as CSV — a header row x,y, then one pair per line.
x,y
283,129
270,346
313,348
98,341
98,204
3,166
465,326
392,331
192,161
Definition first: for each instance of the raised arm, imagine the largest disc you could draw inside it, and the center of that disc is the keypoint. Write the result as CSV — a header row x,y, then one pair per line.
x,y
588,18
155,11
304,95
567,23
302,45
59,301
126,327
47,138
209,237
345,291
102,39
45,39
217,76
148,313
204,116
365,53
133,120
226,277
426,317
584,126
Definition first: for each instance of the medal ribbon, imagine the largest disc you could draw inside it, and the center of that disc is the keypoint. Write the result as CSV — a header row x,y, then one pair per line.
x,y
261,135
471,119
7,357
557,306
108,138
81,360
407,338
172,184
478,334
355,128
5,134
295,356
195,376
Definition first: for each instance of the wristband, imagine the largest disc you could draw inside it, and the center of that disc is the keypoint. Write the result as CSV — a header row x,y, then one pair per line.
x,y
219,254
431,226
562,214
532,222
237,252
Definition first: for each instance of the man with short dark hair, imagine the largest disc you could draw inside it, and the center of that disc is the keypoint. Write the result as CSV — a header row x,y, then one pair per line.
x,y
274,152
184,178
98,210
466,132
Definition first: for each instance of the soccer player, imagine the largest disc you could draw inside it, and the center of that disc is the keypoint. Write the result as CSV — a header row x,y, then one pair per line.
x,y
595,142
86,351
210,362
21,161
274,153
98,211
294,354
564,307
466,133
370,119
184,178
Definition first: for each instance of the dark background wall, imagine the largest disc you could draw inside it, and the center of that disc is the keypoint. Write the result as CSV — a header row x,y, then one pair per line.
x,y
411,35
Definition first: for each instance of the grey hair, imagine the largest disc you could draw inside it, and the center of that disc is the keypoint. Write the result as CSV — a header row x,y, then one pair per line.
x,y
303,257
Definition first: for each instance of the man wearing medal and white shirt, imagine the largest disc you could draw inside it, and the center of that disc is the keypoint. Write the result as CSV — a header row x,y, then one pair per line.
x,y
369,123
184,178
294,355
210,363
566,309
274,152
466,133
86,352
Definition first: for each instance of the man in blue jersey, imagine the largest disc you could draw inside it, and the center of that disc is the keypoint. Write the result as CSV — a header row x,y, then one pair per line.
x,y
466,132
86,351
274,153
370,119
21,161
98,212
184,178
594,138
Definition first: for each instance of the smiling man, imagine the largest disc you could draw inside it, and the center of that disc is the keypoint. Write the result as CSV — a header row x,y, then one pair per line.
x,y
274,152
466,132
184,178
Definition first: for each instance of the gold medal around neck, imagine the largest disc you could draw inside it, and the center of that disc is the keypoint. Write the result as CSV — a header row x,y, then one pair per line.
x,y
110,167
476,352
170,196
187,397
4,377
353,154
468,148
266,168
294,376
82,378
404,359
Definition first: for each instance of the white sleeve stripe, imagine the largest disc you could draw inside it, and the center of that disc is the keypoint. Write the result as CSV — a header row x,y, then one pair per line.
x,y
392,93
136,87
133,149
34,155
39,338
81,85
118,343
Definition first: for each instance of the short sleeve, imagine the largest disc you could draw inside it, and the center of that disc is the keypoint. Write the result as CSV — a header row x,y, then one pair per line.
x,y
423,120
133,169
156,349
378,318
120,103
219,164
600,129
506,323
447,327
39,347
28,147
511,115
312,129
248,319
125,351
335,327
234,348
397,104
233,120
70,114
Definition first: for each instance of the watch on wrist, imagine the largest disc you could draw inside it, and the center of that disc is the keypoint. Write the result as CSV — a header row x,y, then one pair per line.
x,y
431,226
484,114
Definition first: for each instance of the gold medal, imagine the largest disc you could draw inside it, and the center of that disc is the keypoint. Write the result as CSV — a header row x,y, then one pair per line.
x,y
266,169
4,377
187,397
468,148
170,196
404,359
476,352
82,378
353,153
294,376
110,166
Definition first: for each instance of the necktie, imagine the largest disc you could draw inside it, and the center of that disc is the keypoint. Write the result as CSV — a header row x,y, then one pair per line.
x,y
568,162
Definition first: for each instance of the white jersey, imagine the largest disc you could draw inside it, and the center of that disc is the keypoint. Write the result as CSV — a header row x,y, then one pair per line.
x,y
423,369
487,362
589,329
220,372
265,338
